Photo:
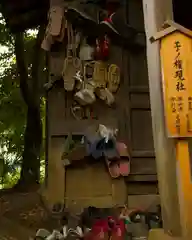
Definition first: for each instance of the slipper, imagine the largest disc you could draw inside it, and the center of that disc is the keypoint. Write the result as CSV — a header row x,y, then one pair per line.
x,y
113,168
61,35
100,74
85,97
124,165
105,95
55,18
72,64
113,78
47,41
109,97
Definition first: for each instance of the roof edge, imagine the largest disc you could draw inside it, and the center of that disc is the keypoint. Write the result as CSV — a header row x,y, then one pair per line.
x,y
169,27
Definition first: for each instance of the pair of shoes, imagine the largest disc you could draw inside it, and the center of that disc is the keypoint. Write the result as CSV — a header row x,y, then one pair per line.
x,y
88,16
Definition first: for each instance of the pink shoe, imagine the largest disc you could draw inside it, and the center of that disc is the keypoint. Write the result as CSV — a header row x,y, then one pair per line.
x,y
124,165
113,167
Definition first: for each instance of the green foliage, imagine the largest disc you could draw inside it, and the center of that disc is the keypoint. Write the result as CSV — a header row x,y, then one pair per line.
x,y
10,179
12,106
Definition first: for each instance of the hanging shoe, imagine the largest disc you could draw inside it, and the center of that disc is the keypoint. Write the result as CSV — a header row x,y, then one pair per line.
x,y
56,19
100,74
85,97
54,27
110,99
105,95
98,50
61,36
113,79
124,164
72,63
102,49
105,48
86,52
113,168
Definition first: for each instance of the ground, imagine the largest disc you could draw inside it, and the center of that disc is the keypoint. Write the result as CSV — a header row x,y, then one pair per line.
x,y
21,214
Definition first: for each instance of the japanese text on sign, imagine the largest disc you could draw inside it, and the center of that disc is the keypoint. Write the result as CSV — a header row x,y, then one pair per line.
x,y
178,64
177,106
189,125
176,57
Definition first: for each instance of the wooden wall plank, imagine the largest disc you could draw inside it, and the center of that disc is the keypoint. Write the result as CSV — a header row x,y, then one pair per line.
x,y
139,112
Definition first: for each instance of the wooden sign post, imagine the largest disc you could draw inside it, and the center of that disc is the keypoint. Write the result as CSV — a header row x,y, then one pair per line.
x,y
176,62
176,65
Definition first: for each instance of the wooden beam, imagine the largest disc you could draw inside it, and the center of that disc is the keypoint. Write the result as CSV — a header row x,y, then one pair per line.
x,y
156,12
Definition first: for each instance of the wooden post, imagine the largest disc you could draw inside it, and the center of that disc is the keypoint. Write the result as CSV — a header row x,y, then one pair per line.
x,y
156,12
175,48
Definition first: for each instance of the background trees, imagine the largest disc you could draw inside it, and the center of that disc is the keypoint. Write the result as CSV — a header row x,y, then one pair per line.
x,y
22,75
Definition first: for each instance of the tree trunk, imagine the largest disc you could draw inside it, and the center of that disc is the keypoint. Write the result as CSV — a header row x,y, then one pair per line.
x,y
30,171
30,168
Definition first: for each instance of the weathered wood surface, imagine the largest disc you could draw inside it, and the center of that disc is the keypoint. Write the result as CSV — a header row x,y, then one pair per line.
x,y
133,104
156,12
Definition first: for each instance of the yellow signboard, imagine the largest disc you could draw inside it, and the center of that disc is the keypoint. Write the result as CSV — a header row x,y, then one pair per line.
x,y
176,62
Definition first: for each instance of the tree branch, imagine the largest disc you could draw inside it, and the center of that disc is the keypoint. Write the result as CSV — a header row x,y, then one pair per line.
x,y
37,61
21,67
31,96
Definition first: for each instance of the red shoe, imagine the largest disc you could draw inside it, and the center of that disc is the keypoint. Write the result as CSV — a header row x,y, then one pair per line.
x,y
105,48
98,51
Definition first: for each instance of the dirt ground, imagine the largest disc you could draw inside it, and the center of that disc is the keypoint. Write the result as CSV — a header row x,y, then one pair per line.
x,y
22,214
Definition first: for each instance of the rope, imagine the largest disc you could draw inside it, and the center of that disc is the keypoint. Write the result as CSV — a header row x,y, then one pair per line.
x,y
71,62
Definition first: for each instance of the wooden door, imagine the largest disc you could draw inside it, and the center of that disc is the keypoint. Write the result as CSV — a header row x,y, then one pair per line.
x,y
132,115
139,127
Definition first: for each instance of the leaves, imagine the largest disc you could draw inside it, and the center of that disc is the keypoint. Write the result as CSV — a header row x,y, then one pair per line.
x,y
12,107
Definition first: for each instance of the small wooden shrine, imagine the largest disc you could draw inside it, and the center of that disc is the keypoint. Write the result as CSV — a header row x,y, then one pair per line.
x,y
131,114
